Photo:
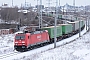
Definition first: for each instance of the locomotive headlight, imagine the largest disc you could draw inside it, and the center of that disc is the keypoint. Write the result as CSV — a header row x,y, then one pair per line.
x,y
23,42
16,42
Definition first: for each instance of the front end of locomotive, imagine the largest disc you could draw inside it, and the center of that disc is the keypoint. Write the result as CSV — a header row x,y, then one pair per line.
x,y
20,42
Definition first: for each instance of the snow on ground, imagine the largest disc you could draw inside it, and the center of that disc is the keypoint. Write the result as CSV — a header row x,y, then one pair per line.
x,y
6,43
77,50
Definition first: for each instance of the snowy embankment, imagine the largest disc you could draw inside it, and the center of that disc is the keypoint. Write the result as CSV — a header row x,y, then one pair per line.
x,y
6,43
71,51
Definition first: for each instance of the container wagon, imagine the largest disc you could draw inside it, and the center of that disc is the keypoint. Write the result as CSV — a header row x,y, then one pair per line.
x,y
75,26
66,29
59,16
51,32
82,24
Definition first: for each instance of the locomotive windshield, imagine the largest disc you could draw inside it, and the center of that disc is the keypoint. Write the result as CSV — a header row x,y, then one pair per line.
x,y
20,37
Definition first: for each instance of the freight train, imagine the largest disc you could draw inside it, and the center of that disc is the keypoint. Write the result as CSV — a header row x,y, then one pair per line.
x,y
24,41
64,17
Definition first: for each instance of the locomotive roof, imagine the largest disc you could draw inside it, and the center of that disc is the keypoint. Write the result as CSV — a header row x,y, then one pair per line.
x,y
33,32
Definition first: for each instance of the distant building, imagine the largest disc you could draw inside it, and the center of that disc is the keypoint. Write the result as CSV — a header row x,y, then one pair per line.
x,y
69,8
5,5
4,31
87,8
39,6
24,11
7,31
2,21
48,10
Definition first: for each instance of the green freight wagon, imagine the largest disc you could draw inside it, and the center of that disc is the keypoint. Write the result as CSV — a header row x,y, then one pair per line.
x,y
82,23
49,14
51,31
66,28
59,16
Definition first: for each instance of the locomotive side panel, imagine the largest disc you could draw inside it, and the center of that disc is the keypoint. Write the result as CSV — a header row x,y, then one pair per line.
x,y
39,38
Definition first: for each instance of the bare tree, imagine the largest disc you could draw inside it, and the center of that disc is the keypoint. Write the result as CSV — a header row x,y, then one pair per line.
x,y
9,14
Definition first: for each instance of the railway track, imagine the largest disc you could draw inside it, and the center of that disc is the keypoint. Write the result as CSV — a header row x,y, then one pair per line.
x,y
8,55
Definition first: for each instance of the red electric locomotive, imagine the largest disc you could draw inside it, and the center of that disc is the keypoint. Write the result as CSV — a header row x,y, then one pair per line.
x,y
24,41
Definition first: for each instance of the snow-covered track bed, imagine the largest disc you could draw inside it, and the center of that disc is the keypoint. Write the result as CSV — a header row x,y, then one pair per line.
x,y
8,55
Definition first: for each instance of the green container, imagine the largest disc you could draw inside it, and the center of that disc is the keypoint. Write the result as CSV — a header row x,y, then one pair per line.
x,y
49,14
59,16
81,23
66,28
51,31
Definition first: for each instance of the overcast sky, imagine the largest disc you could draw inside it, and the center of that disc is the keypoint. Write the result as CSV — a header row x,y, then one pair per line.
x,y
44,2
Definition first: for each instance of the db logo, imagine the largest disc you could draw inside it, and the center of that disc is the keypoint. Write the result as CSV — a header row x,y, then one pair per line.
x,y
39,37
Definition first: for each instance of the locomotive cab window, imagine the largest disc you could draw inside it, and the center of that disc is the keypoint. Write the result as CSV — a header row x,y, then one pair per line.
x,y
20,37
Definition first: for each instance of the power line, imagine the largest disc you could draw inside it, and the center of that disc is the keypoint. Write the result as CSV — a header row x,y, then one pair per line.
x,y
55,29
41,13
74,6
